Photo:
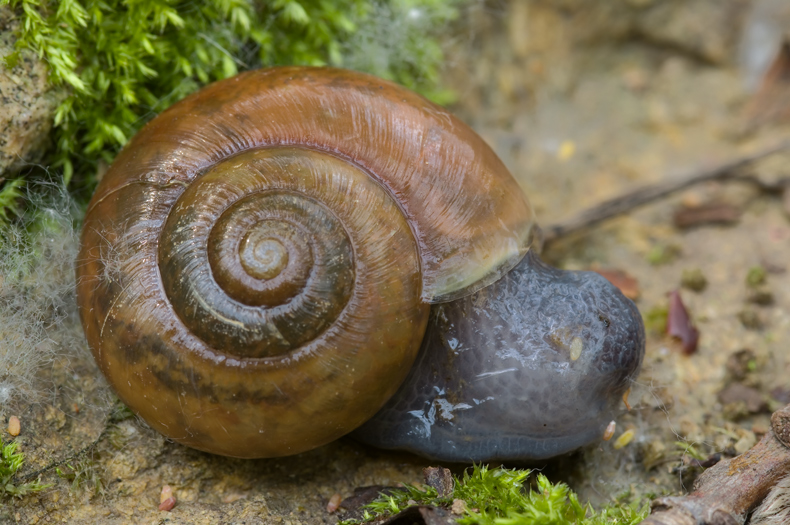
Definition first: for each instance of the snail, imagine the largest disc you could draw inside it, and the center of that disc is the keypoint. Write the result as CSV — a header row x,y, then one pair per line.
x,y
263,263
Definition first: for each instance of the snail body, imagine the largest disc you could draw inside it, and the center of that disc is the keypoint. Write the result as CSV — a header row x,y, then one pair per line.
x,y
530,367
258,264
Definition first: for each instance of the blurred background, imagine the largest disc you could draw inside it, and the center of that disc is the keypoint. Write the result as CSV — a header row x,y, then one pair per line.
x,y
583,100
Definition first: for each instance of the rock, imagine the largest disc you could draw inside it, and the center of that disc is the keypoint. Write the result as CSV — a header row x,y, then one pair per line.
x,y
27,102
706,29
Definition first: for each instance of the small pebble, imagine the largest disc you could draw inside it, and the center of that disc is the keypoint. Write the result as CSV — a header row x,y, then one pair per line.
x,y
566,150
694,280
750,319
635,79
233,496
439,478
334,503
751,399
741,363
761,295
609,432
624,439
167,499
14,426
459,507
747,441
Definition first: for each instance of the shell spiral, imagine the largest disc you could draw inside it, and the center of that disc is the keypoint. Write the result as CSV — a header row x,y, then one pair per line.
x,y
257,265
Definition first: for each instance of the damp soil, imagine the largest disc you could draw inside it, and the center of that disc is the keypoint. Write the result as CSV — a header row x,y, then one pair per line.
x,y
583,100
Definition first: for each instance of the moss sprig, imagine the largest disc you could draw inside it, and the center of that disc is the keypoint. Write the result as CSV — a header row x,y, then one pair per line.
x,y
11,461
123,61
11,194
499,496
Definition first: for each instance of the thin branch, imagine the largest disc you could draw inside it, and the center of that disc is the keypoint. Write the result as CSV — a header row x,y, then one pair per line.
x,y
641,196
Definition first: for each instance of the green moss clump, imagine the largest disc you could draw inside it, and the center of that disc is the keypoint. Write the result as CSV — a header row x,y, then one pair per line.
x,y
11,460
10,195
656,319
756,276
498,497
83,476
125,61
661,254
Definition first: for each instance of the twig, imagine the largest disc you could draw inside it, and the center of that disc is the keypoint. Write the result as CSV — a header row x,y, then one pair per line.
x,y
726,493
81,452
641,196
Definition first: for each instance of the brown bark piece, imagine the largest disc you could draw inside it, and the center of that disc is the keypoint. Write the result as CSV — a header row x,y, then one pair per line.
x,y
711,213
728,491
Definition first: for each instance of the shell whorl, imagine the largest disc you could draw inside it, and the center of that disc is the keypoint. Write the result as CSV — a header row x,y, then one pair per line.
x,y
262,254
256,266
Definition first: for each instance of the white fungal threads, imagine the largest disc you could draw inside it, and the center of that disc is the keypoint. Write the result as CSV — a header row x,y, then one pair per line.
x,y
37,296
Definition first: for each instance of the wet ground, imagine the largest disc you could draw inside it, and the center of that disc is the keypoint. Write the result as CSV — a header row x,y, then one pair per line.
x,y
583,101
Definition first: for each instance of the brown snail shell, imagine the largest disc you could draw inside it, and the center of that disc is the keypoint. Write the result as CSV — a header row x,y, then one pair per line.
x,y
257,265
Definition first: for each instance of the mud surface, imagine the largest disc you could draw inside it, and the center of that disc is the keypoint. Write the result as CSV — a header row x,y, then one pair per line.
x,y
583,100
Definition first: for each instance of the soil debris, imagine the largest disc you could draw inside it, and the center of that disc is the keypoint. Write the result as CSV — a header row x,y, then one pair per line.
x,y
351,507
762,296
679,324
422,515
167,499
439,478
770,102
727,492
704,214
740,400
694,280
625,282
751,319
741,364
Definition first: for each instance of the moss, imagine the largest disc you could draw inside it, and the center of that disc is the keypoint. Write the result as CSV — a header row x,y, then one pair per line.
x,y
10,197
655,319
661,254
82,475
123,62
693,280
499,496
756,276
11,461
